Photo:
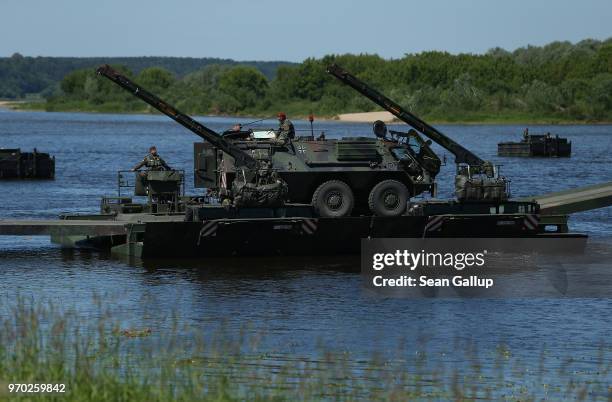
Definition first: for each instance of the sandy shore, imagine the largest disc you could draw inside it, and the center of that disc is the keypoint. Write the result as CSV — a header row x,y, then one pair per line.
x,y
367,117
9,104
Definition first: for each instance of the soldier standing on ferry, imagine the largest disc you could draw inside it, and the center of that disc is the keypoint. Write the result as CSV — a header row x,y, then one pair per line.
x,y
152,161
286,131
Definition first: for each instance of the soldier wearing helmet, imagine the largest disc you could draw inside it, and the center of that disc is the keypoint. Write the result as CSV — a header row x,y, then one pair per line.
x,y
286,131
152,161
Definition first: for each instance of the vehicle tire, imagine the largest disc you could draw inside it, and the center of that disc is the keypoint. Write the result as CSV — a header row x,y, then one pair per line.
x,y
333,199
189,215
388,198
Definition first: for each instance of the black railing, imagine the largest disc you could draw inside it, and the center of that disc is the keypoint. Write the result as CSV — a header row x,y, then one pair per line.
x,y
127,179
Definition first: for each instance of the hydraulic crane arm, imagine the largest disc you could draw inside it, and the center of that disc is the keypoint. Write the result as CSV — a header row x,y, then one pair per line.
x,y
242,158
462,155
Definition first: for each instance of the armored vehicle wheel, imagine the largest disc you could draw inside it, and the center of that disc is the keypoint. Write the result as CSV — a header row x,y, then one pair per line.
x,y
333,199
388,198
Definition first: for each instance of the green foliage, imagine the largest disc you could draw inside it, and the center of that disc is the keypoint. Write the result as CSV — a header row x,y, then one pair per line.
x,y
556,82
74,83
20,76
602,95
542,97
156,78
243,88
86,91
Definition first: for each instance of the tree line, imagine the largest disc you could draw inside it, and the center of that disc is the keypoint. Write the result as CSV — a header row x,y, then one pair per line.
x,y
22,76
560,80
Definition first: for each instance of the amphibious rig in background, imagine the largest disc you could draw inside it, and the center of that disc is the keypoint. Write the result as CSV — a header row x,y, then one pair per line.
x,y
536,145
15,164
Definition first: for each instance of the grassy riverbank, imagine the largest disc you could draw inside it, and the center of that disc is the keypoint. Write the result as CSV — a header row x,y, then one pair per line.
x,y
97,359
559,83
296,112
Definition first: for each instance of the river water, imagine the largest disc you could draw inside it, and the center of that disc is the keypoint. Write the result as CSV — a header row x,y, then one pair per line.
x,y
299,303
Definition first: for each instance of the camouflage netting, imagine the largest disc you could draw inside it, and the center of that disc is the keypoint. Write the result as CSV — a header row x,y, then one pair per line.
x,y
480,189
252,195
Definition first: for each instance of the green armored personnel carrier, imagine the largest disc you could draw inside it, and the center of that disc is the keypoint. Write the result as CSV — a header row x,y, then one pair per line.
x,y
336,177
353,175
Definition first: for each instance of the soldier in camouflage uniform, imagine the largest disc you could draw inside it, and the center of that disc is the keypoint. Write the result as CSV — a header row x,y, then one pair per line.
x,y
286,131
152,161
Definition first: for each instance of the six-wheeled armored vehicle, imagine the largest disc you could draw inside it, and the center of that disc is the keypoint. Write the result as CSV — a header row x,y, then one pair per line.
x,y
353,175
336,177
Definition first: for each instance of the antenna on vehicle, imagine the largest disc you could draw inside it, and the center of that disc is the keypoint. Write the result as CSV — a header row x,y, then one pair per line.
x,y
311,119
255,121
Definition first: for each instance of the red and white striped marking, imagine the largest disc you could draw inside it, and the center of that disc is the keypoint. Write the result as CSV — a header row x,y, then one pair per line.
x,y
531,222
310,225
209,229
434,223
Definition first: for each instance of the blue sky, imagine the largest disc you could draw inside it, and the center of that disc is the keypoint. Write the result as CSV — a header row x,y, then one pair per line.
x,y
291,30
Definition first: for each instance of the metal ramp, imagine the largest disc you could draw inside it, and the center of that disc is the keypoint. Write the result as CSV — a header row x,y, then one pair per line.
x,y
574,200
